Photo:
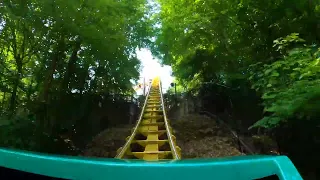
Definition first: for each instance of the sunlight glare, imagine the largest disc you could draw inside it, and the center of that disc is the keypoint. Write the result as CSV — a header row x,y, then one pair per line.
x,y
152,68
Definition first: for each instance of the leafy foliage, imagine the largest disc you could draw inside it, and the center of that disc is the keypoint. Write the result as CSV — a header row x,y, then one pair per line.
x,y
238,44
23,133
289,85
53,50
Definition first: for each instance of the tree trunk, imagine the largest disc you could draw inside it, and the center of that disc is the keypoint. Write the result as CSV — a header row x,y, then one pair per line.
x,y
14,95
82,80
3,100
57,56
43,98
64,86
49,78
71,67
15,86
29,92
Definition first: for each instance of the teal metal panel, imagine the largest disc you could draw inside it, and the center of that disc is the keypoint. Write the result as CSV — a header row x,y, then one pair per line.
x,y
69,167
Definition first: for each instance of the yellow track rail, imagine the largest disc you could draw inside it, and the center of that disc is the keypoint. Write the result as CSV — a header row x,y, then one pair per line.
x,y
151,138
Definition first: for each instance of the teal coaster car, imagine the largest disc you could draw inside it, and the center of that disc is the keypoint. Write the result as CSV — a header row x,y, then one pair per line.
x,y
64,167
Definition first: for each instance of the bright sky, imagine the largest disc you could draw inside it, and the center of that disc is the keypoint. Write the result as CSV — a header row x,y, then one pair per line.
x,y
151,68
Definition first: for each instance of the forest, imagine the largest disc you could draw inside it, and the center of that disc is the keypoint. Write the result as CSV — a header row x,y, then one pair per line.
x,y
63,62
263,56
68,67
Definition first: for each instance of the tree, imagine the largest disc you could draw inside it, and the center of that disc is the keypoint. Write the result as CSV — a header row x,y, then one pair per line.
x,y
216,42
51,51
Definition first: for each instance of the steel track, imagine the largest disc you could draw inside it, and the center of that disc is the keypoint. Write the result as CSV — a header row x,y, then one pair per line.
x,y
151,138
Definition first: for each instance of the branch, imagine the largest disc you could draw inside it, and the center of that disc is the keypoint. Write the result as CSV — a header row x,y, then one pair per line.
x,y
14,42
22,49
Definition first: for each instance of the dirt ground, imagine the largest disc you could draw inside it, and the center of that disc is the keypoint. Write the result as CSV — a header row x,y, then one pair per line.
x,y
197,136
200,137
107,142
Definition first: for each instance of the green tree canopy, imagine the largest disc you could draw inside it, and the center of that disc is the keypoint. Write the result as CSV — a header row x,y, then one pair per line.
x,y
218,41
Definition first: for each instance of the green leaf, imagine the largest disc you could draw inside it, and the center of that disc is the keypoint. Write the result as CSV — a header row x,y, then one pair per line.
x,y
267,122
268,71
269,95
275,74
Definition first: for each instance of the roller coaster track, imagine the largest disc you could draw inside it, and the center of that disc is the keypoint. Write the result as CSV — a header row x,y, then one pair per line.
x,y
151,138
